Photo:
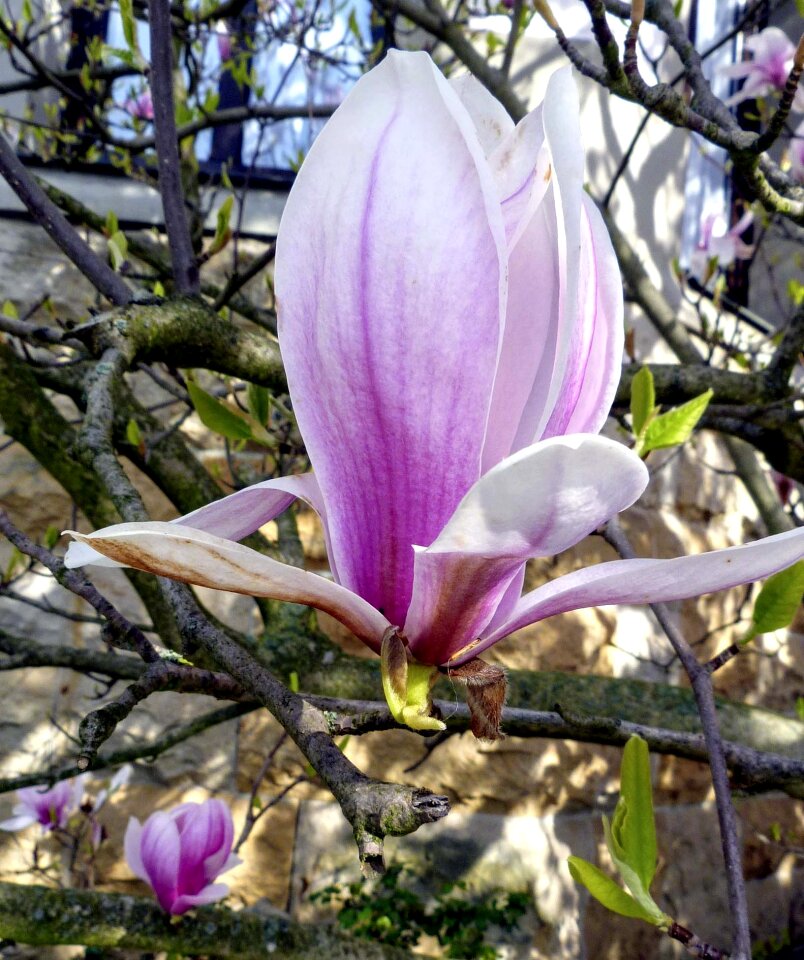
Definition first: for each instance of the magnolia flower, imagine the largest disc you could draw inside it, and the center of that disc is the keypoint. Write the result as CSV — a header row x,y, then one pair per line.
x,y
140,107
767,72
180,853
450,317
720,245
49,808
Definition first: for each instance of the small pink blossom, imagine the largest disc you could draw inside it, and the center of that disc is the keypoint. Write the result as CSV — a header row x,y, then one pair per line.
x,y
769,69
179,853
140,107
720,243
49,808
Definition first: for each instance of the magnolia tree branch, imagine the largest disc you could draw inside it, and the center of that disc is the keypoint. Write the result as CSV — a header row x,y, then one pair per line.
x,y
42,916
374,808
185,268
147,751
51,219
700,678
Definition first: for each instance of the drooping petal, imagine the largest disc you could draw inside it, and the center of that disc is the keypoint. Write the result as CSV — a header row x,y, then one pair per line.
x,y
594,362
160,851
194,556
543,279
390,295
210,894
647,581
538,502
232,517
131,848
18,822
489,116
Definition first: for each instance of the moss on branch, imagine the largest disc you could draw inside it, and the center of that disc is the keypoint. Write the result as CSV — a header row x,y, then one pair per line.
x,y
41,916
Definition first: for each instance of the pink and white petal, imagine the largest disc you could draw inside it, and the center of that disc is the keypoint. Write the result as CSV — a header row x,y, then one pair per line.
x,y
160,852
538,502
230,863
594,363
521,166
489,116
232,517
20,821
131,848
210,894
390,301
542,287
649,581
194,556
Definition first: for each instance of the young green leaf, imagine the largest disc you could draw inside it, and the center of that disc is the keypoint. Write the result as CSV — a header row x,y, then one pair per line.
x,y
777,601
129,23
51,537
676,426
605,890
637,834
222,231
133,435
10,310
643,399
259,403
216,415
118,249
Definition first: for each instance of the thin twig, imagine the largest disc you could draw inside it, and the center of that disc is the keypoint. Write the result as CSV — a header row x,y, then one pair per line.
x,y
700,679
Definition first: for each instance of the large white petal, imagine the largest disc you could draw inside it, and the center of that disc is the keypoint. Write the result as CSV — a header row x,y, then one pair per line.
x,y
538,502
649,581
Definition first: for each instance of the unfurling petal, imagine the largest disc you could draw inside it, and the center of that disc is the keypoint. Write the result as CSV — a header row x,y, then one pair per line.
x,y
543,281
652,581
538,502
210,894
232,517
390,295
594,364
489,116
194,556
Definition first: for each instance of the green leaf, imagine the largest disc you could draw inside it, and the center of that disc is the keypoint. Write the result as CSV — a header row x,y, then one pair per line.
x,y
676,426
216,415
10,309
643,399
777,601
222,231
259,403
129,23
112,225
354,26
293,681
637,834
118,249
133,435
51,537
605,890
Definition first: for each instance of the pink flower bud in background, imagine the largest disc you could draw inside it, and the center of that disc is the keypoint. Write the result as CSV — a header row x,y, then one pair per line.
x,y
773,53
720,243
50,808
224,43
179,853
140,107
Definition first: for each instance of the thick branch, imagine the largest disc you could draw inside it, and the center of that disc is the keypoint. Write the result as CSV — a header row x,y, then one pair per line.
x,y
41,916
374,809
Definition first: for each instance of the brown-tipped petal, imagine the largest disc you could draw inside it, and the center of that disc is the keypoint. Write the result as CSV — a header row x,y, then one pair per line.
x,y
194,556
